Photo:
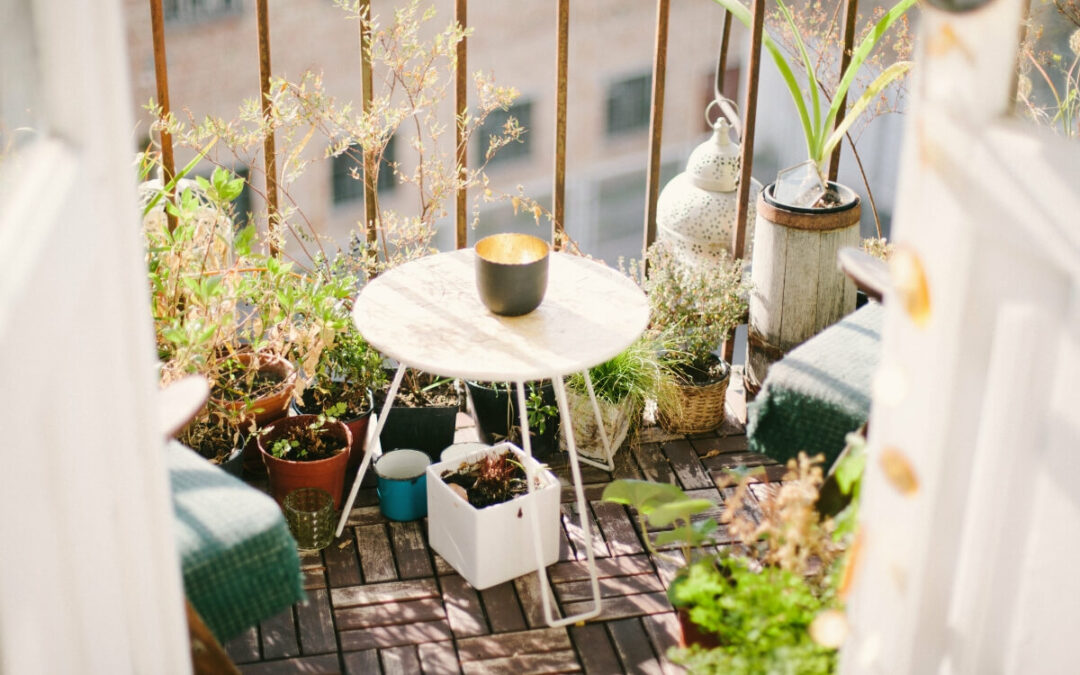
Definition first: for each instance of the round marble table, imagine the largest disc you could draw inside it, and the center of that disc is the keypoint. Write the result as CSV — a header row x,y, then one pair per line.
x,y
427,314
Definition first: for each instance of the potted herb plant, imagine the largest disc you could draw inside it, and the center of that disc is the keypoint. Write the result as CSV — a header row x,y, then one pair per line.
x,y
802,214
306,451
622,387
693,309
346,375
495,409
480,514
424,416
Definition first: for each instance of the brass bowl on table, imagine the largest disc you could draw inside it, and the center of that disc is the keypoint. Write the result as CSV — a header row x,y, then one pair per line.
x,y
512,272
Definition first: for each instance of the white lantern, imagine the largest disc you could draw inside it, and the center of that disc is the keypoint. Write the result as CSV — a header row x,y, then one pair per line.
x,y
696,210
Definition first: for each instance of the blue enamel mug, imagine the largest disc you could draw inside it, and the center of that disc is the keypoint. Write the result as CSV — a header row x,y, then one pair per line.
x,y
402,482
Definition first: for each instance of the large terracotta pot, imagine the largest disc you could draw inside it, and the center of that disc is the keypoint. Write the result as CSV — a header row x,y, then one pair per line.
x,y
692,634
287,475
358,425
265,409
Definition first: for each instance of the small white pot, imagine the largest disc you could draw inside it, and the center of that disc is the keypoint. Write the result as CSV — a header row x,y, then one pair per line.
x,y
495,544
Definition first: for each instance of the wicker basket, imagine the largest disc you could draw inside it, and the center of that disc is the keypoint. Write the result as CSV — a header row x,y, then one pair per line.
x,y
701,407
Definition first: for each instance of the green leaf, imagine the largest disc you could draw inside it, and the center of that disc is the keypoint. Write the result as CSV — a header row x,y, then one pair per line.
x,y
858,56
811,78
243,240
188,168
849,469
666,514
643,495
887,76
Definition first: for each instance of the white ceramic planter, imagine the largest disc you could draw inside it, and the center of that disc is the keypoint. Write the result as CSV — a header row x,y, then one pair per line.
x,y
495,544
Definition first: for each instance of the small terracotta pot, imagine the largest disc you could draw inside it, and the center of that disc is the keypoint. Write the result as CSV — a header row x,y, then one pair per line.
x,y
287,475
692,634
266,409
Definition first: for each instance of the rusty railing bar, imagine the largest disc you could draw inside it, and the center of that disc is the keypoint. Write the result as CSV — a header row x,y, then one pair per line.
x,y
461,103
721,59
558,208
161,75
371,202
851,8
747,154
656,120
270,161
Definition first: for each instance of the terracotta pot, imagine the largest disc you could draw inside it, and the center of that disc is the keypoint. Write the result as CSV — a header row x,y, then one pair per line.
x,y
692,634
287,475
265,409
358,426
274,405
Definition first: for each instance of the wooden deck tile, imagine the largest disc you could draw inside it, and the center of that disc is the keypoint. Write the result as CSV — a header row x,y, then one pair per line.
x,y
592,492
625,466
407,611
664,633
619,531
572,525
732,460
632,645
376,556
595,649
312,569
653,463
362,663
508,644
606,567
244,648
667,569
438,658
410,550
342,565
564,661
503,610
687,466
723,444
529,590
623,606
324,663
400,660
382,637
394,591
441,566
278,635
577,591
365,515
315,624
463,609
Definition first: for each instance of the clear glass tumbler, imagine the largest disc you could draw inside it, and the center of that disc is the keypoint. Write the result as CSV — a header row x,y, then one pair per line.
x,y
310,514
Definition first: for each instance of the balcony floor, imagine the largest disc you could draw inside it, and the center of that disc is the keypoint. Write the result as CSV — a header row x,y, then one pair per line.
x,y
381,601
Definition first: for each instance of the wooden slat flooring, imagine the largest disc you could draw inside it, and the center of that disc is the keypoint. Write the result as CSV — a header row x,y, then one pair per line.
x,y
380,601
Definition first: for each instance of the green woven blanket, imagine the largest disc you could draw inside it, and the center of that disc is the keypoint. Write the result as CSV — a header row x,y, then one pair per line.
x,y
818,393
239,560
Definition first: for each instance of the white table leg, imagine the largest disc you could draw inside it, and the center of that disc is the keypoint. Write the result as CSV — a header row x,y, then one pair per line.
x,y
609,452
369,448
583,510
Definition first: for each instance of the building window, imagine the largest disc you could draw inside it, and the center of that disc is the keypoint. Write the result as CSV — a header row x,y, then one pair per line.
x,y
191,11
628,104
494,125
345,187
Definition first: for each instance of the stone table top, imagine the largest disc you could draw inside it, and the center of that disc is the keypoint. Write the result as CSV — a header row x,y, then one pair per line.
x,y
428,314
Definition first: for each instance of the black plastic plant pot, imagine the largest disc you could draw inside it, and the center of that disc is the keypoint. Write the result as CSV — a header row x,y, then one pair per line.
x,y
429,429
495,410
512,272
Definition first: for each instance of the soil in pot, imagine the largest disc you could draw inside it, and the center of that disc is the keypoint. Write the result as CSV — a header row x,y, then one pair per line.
x,y
259,387
494,479
355,417
303,451
423,417
495,410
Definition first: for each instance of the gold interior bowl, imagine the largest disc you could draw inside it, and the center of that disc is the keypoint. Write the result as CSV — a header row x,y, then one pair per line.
x,y
512,272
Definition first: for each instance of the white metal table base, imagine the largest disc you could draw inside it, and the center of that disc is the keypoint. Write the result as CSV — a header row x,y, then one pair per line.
x,y
575,473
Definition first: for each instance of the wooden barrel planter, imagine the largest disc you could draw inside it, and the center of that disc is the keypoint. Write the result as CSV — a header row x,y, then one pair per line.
x,y
798,289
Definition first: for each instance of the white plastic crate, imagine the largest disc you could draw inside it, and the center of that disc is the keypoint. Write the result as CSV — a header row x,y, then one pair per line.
x,y
495,544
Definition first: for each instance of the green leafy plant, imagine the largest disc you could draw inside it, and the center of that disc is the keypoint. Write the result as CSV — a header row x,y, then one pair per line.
x,y
820,129
664,505
635,376
1049,81
538,411
311,442
691,309
346,373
